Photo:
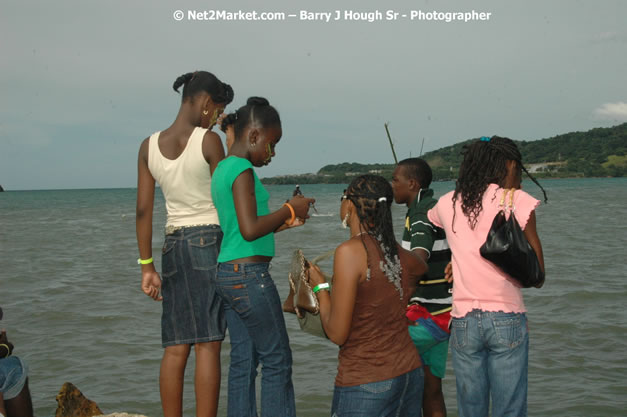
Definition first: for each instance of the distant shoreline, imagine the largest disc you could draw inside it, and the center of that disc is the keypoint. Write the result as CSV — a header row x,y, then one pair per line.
x,y
291,183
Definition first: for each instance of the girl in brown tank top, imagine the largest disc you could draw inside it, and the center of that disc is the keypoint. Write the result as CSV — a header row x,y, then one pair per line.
x,y
379,371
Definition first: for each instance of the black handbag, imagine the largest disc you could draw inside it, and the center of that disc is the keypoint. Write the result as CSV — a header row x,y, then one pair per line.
x,y
507,247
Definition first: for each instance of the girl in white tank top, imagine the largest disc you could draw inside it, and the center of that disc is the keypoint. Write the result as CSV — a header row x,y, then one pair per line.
x,y
182,159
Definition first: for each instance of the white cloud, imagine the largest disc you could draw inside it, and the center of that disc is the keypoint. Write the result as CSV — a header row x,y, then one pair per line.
x,y
612,111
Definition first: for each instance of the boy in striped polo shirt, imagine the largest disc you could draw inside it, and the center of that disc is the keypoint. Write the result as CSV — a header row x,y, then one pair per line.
x,y
430,306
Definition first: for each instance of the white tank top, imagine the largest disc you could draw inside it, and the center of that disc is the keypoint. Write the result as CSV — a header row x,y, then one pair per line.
x,y
185,182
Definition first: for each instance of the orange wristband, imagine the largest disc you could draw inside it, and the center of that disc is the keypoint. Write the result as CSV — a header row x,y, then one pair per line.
x,y
291,220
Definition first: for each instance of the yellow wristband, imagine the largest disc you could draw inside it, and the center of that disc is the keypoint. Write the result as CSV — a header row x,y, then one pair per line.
x,y
291,220
8,350
141,261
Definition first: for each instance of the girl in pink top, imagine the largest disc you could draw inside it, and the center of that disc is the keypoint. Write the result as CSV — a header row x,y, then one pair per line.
x,y
489,340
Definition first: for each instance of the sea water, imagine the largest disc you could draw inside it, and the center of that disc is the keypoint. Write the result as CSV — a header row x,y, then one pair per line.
x,y
70,290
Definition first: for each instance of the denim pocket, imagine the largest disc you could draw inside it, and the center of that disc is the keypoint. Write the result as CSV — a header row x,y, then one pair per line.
x,y
237,297
203,251
459,335
168,258
378,387
509,331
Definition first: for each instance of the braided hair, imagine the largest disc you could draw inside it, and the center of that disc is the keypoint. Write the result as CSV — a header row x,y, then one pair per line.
x,y
202,81
257,110
485,162
372,196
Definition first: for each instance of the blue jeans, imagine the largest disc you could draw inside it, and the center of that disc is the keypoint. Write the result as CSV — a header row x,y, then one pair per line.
x,y
490,356
257,332
395,397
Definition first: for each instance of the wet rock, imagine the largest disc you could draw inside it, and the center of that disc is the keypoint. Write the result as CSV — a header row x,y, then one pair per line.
x,y
72,403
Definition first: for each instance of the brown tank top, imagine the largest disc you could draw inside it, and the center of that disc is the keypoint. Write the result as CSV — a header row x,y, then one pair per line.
x,y
378,345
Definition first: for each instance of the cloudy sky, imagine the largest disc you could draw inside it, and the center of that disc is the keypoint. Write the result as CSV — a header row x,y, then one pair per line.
x,y
83,82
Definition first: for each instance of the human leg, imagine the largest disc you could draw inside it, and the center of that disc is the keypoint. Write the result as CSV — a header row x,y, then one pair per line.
x,y
508,342
14,387
469,357
433,398
433,352
207,378
171,378
250,292
22,405
192,314
241,401
206,313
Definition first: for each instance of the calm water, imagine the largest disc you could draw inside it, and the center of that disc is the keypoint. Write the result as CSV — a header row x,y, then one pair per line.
x,y
69,286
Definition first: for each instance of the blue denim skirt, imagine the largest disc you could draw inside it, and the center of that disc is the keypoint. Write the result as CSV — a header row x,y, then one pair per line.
x,y
192,309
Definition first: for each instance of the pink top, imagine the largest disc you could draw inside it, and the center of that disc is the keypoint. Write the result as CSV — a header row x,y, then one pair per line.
x,y
479,284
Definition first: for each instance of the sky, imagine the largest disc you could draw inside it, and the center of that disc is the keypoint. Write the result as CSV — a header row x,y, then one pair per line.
x,y
84,82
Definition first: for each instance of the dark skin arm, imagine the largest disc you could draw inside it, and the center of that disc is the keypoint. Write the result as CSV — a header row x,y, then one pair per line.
x,y
5,341
212,149
417,264
151,282
336,309
251,225
532,237
2,410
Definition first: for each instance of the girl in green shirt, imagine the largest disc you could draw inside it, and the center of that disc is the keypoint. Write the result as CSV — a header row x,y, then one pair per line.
x,y
252,305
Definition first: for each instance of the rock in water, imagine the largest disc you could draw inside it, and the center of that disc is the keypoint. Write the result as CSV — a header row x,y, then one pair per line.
x,y
123,415
72,403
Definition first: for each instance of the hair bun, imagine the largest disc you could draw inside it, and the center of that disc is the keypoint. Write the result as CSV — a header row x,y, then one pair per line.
x,y
257,101
228,120
228,93
183,79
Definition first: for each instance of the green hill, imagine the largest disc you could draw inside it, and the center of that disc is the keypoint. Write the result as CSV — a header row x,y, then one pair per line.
x,y
600,152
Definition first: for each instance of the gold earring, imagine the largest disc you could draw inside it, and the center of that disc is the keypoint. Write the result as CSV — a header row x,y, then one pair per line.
x,y
205,112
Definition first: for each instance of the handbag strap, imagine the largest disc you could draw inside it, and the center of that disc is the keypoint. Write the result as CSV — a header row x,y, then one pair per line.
x,y
509,206
323,256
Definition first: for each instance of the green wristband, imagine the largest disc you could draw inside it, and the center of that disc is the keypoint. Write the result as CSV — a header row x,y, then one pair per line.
x,y
141,261
323,286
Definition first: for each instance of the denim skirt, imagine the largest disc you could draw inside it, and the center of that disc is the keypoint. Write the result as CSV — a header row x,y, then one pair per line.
x,y
13,372
192,309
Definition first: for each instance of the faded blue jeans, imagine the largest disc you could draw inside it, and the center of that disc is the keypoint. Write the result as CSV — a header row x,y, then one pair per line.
x,y
395,397
490,353
257,332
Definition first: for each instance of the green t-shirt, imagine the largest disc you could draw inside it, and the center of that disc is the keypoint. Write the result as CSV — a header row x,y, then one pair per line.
x,y
433,292
234,246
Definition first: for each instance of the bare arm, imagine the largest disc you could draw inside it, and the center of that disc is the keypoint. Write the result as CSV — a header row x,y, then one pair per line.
x,y
418,267
212,149
532,237
251,225
336,309
3,411
151,282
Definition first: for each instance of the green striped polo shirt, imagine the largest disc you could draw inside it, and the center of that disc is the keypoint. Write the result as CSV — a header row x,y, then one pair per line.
x,y
433,292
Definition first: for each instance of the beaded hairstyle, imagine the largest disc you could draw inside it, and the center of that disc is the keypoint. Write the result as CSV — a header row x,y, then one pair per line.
x,y
372,196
